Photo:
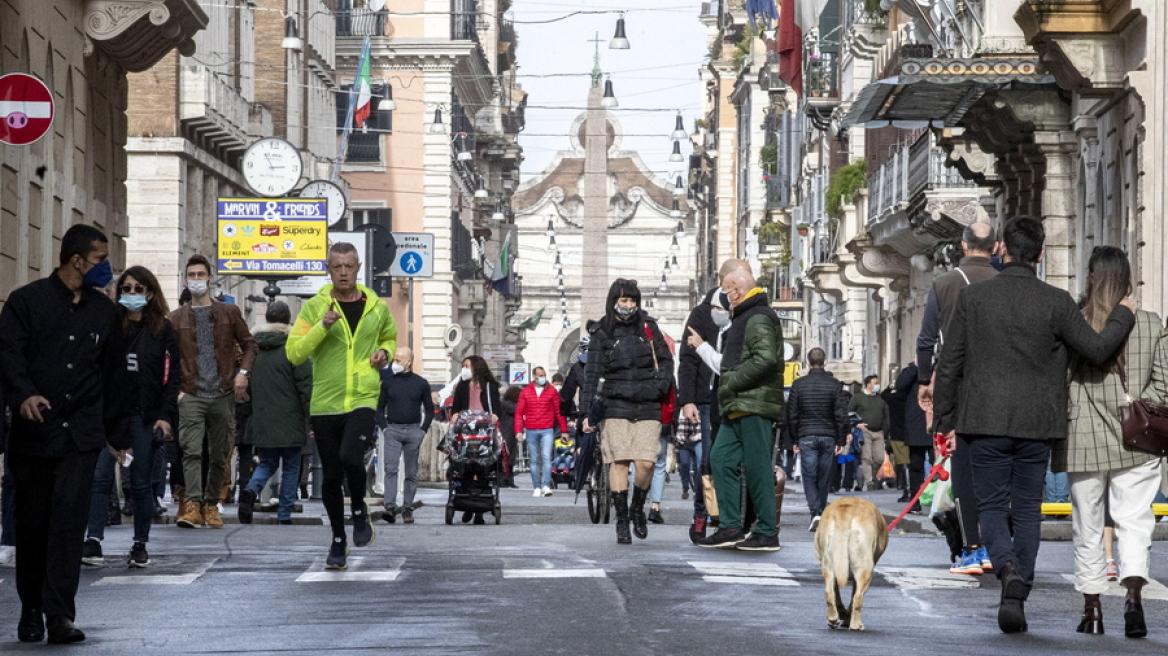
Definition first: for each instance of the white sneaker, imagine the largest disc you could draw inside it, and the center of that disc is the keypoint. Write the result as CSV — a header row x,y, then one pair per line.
x,y
814,524
537,492
547,491
7,556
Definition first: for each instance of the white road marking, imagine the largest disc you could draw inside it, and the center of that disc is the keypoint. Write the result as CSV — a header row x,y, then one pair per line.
x,y
545,573
1153,590
926,578
156,579
744,573
355,572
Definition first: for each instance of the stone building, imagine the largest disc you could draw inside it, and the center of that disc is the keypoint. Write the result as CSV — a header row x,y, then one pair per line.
x,y
83,51
594,215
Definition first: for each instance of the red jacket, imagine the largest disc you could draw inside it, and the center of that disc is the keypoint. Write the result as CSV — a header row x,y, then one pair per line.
x,y
539,411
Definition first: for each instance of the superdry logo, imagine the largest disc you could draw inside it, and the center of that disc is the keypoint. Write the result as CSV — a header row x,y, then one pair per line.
x,y
269,231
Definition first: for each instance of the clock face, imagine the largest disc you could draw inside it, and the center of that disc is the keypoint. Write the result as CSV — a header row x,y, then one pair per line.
x,y
271,166
337,203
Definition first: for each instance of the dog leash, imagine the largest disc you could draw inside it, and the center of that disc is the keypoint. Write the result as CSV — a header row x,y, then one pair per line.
x,y
938,471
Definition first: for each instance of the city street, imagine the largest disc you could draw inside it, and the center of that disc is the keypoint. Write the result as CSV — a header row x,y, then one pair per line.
x,y
547,582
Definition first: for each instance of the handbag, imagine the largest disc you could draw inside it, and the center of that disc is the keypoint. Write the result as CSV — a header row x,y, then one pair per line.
x,y
1144,425
669,400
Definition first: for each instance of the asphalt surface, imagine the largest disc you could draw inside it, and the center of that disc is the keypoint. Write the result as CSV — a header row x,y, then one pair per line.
x,y
548,582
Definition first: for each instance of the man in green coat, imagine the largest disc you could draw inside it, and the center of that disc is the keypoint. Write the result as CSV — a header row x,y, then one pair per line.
x,y
750,394
280,396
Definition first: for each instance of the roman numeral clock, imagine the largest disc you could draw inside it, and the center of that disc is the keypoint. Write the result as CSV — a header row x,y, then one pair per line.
x,y
271,167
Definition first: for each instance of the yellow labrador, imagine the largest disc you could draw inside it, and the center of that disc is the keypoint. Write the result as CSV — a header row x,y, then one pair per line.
x,y
850,539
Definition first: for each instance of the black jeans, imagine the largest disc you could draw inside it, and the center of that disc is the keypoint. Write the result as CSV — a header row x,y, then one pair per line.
x,y
816,457
1008,473
964,494
916,468
52,509
342,441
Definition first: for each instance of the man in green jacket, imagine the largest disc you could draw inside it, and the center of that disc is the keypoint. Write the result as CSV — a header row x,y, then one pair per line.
x,y
750,394
873,413
349,334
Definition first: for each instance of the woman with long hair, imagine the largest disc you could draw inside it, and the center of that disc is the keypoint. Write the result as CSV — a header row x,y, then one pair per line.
x,y
628,375
477,389
1099,467
152,363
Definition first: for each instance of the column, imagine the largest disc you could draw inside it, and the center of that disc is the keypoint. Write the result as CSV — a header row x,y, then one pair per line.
x,y
435,296
594,275
1058,205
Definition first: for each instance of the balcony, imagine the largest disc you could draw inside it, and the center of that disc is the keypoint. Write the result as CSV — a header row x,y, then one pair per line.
x,y
361,21
138,33
821,77
855,12
211,111
464,20
778,192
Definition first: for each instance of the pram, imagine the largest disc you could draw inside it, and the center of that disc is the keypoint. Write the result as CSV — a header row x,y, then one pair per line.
x,y
563,463
476,454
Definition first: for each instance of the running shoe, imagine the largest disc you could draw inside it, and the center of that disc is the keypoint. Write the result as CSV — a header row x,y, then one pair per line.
x,y
814,524
338,553
138,556
970,563
363,534
758,542
986,564
724,538
91,553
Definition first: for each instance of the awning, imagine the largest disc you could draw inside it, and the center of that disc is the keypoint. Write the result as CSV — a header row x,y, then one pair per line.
x,y
936,92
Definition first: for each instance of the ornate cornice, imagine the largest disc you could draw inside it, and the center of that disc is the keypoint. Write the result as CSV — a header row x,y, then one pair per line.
x,y
139,33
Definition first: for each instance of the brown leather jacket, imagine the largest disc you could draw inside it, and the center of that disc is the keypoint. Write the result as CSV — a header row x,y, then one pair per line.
x,y
230,332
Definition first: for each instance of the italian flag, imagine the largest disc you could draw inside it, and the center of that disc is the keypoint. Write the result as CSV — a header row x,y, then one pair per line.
x,y
501,277
364,92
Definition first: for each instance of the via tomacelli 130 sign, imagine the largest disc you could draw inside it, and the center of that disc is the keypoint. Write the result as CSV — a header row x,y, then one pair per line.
x,y
273,236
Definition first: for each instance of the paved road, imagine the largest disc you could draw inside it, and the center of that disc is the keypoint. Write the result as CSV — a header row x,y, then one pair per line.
x,y
546,583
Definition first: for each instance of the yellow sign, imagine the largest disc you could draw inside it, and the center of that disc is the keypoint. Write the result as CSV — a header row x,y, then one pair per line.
x,y
790,373
273,236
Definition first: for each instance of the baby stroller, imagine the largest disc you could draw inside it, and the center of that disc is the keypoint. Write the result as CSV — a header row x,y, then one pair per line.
x,y
563,463
476,452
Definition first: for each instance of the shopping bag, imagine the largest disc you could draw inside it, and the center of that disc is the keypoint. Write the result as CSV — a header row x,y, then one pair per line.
x,y
942,495
886,473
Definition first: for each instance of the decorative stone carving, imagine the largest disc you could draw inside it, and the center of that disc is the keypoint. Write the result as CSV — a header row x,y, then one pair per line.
x,y
825,279
138,33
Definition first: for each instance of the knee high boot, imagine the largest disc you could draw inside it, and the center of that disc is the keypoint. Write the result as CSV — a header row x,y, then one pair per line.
x,y
620,503
637,512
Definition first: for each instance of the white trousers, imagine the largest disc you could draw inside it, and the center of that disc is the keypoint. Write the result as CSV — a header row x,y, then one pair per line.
x,y
1131,492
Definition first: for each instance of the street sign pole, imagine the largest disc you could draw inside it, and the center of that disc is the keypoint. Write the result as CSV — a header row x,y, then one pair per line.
x,y
410,318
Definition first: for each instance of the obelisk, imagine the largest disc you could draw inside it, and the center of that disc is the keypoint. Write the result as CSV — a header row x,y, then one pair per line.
x,y
594,280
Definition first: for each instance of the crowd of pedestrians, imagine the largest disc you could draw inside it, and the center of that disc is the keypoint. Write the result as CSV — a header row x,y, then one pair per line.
x,y
1012,376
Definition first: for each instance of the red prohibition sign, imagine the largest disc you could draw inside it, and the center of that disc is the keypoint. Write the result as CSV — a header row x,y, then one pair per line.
x,y
26,109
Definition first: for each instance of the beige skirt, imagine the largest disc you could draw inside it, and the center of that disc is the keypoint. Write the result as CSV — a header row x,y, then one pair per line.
x,y
622,440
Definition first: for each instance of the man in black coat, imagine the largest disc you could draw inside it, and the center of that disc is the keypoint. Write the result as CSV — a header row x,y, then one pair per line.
x,y
63,363
817,418
1001,383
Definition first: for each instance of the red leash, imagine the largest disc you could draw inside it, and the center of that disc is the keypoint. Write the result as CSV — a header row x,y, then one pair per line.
x,y
938,471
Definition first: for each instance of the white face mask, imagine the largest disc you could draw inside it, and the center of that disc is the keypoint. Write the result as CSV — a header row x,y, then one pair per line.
x,y
541,381
396,368
466,374
197,287
721,317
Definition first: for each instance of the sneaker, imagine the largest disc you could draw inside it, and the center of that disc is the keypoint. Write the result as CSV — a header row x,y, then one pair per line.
x,y
211,516
138,556
970,563
191,516
1112,570
7,556
547,491
536,493
246,506
758,542
814,524
697,530
984,556
724,538
338,553
363,534
407,516
91,553
390,515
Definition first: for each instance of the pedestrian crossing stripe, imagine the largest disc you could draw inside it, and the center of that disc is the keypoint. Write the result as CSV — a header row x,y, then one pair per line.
x,y
156,579
356,572
547,573
744,573
1152,589
925,578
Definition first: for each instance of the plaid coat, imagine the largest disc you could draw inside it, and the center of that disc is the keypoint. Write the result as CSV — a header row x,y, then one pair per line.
x,y
1095,440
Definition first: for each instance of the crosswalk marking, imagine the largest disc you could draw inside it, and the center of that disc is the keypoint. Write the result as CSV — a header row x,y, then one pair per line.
x,y
1152,589
355,572
156,579
924,578
544,573
744,573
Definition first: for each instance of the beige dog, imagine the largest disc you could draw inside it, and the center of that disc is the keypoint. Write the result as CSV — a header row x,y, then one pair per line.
x,y
850,539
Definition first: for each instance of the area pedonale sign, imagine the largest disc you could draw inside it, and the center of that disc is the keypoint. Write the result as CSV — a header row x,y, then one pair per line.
x,y
273,236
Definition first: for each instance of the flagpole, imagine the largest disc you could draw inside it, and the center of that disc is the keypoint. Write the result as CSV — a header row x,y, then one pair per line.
x,y
343,148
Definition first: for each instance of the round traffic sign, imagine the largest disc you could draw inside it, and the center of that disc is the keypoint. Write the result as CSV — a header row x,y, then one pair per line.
x,y
26,109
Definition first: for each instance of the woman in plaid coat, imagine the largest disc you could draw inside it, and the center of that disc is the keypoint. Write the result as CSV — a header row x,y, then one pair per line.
x,y
1094,455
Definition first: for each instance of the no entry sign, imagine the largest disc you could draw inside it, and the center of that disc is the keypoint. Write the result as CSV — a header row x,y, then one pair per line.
x,y
26,109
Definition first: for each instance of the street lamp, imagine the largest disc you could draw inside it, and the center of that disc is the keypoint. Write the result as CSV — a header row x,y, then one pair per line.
x,y
675,213
676,156
387,104
559,266
292,40
551,244
437,127
673,265
609,99
664,286
678,187
463,154
679,129
680,231
674,246
481,192
551,229
619,40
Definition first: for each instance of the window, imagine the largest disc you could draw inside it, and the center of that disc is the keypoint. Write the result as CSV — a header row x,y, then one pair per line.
x,y
365,144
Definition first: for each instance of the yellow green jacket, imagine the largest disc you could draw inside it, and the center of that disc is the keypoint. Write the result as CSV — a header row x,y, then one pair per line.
x,y
342,378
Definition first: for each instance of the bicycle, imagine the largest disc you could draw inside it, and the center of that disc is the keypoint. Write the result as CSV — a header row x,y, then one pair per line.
x,y
599,498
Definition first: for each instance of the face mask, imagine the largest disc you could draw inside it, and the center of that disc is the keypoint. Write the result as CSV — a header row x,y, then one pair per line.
x,y
133,302
624,311
197,287
396,368
876,389
721,317
558,387
541,381
584,357
466,374
99,275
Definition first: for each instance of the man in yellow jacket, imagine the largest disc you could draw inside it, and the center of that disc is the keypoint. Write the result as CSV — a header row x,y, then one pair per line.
x,y
349,334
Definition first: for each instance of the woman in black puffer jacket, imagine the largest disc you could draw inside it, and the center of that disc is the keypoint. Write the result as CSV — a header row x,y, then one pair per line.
x,y
629,373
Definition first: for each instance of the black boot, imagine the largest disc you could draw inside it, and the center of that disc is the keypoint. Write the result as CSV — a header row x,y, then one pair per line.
x,y
620,503
637,512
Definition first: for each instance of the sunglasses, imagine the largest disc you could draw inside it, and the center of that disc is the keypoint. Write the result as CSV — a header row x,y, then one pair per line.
x,y
134,289
622,281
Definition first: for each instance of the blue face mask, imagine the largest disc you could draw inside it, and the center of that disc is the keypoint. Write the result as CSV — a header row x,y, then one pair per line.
x,y
133,302
99,275
584,357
